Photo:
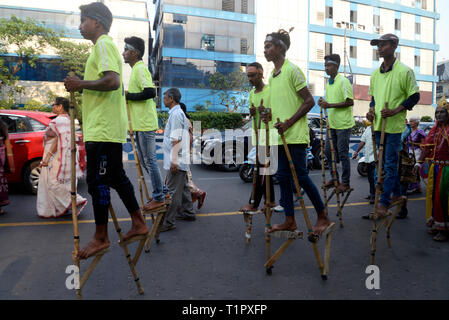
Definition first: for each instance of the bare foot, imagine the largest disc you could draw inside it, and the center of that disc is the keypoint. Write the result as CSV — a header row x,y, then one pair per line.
x,y
381,212
321,225
286,226
247,207
139,230
92,248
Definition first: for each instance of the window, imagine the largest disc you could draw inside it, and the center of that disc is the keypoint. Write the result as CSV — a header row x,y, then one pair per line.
x,y
329,12
36,125
440,89
15,124
418,28
376,21
353,52
397,24
244,6
424,4
375,55
244,46
353,16
417,61
179,18
208,42
228,5
328,49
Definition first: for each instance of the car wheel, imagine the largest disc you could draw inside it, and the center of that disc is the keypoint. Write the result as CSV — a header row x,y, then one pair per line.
x,y
31,175
231,166
246,172
362,170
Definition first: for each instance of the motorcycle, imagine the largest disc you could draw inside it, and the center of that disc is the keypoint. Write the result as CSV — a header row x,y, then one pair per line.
x,y
246,170
361,167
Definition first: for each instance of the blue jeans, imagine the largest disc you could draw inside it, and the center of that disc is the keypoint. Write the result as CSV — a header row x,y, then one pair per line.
x,y
340,141
146,146
391,183
284,174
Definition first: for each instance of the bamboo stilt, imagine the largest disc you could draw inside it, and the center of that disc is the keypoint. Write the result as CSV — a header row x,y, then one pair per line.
x,y
323,170
334,168
303,207
268,208
131,261
155,229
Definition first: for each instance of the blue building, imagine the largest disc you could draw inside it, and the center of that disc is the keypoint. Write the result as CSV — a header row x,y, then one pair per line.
x,y
195,39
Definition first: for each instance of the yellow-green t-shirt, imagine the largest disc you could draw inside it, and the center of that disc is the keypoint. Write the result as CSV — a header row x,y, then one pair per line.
x,y
393,87
285,102
338,92
143,113
104,113
255,99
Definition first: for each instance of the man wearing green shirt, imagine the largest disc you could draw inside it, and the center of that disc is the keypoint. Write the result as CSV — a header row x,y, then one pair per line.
x,y
143,114
394,84
259,94
104,127
339,100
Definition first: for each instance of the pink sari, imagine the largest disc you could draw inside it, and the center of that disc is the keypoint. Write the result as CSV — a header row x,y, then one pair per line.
x,y
54,189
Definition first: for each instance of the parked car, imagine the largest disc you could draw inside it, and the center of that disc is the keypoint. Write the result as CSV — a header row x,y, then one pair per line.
x,y
26,132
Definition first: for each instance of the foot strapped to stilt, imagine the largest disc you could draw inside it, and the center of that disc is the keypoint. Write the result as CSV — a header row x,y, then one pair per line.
x,y
134,239
315,238
286,234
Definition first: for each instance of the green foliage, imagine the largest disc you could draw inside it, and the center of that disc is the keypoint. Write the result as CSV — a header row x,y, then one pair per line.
x,y
426,119
211,120
34,105
359,128
228,86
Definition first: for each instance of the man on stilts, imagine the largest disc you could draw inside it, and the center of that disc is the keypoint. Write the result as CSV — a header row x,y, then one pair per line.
x,y
339,102
104,127
394,84
290,101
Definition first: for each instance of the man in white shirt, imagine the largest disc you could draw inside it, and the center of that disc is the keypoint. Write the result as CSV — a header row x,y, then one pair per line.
x,y
176,147
367,142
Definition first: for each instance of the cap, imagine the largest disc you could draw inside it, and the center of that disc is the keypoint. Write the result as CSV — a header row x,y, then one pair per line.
x,y
385,37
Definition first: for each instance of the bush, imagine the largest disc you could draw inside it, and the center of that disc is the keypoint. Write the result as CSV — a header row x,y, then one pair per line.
x,y
426,119
34,105
210,120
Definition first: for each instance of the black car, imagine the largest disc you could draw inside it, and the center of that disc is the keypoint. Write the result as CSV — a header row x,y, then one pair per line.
x,y
225,149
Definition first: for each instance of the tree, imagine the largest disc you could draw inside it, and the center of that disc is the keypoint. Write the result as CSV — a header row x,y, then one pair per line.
x,y
232,89
27,39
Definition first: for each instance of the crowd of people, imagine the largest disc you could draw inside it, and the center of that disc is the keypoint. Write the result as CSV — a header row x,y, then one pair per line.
x,y
281,106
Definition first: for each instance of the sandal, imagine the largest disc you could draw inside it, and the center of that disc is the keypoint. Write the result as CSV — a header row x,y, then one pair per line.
x,y
441,237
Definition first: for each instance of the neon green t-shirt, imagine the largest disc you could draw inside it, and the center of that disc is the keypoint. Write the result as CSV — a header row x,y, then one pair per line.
x,y
285,102
393,87
338,92
143,113
104,112
255,98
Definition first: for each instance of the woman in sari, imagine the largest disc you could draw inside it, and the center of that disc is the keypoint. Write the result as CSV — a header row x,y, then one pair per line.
x,y
54,189
436,152
6,164
414,141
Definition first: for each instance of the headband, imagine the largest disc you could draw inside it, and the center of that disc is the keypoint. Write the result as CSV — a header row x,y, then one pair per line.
x,y
331,62
130,47
274,40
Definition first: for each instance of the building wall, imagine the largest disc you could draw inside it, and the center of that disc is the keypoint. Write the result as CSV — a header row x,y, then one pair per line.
x,y
130,19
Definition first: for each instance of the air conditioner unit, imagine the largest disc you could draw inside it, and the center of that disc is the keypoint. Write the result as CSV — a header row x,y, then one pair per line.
x,y
320,54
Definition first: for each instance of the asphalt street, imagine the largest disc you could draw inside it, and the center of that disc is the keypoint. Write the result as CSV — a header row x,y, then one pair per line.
x,y
208,259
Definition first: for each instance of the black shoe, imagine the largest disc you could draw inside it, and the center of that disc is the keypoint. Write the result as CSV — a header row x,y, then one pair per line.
x,y
371,201
402,214
367,216
167,228
186,218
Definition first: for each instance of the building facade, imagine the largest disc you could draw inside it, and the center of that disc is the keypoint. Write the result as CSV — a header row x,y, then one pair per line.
x,y
443,80
130,19
346,27
197,38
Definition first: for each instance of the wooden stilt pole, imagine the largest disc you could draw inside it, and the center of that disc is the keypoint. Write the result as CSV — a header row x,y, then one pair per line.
x,y
334,167
140,175
303,207
268,208
73,192
323,170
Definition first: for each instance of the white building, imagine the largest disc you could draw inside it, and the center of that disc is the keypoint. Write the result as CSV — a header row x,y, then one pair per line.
x,y
320,27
